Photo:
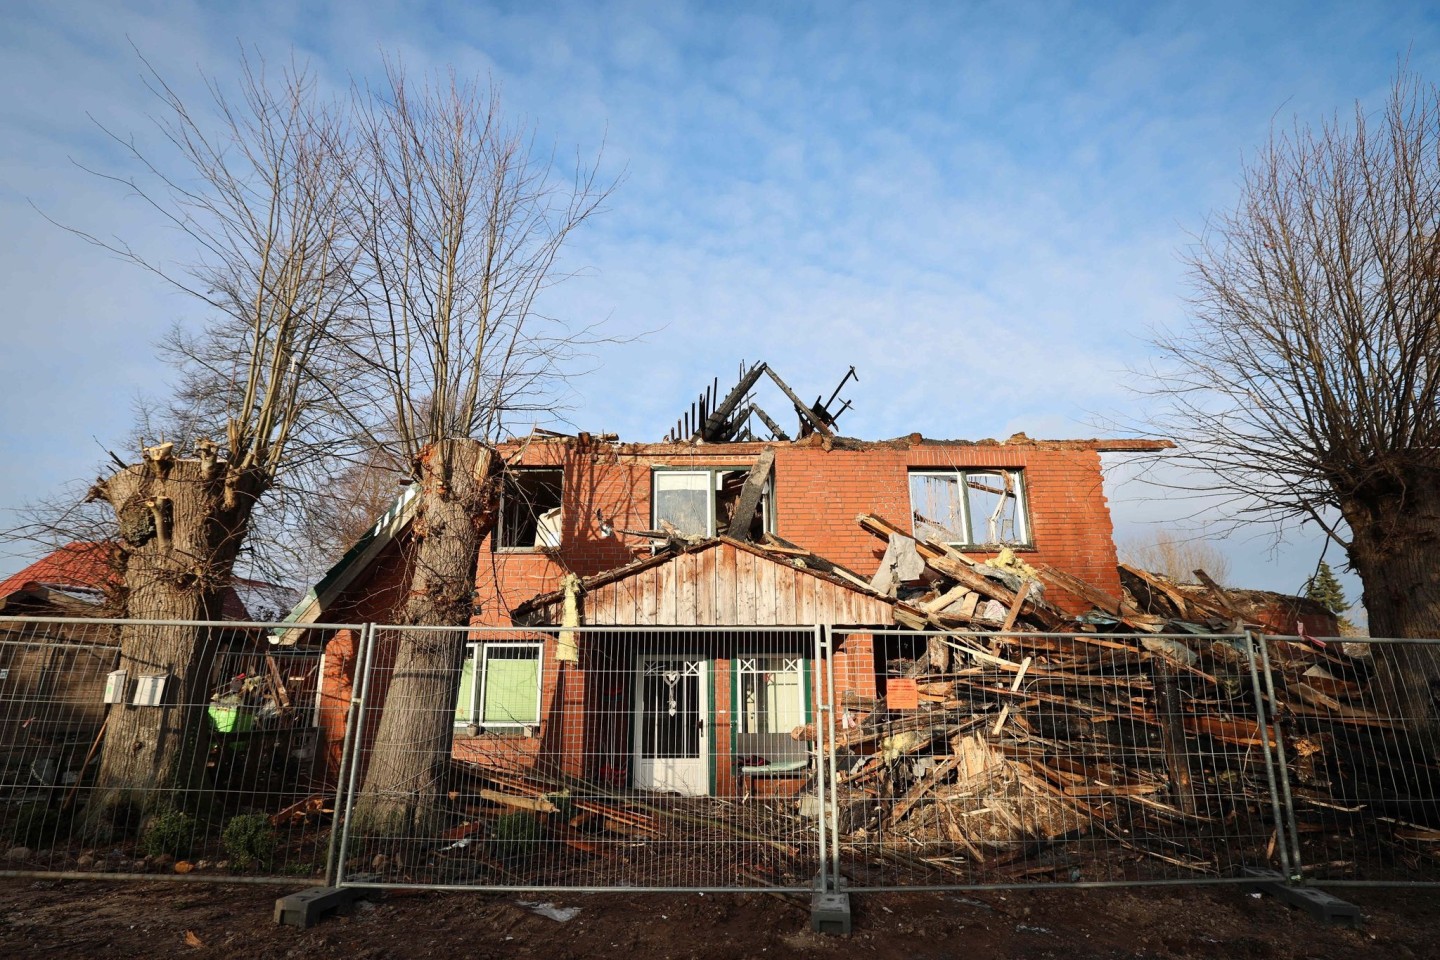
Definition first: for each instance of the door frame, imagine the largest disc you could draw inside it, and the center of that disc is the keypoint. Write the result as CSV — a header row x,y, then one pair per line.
x,y
705,708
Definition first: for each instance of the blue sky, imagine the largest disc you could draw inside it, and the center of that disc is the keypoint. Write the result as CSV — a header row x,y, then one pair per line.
x,y
979,205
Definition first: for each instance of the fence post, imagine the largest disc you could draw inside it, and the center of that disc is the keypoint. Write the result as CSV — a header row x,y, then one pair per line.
x,y
1282,767
346,790
347,750
1263,726
822,805
828,643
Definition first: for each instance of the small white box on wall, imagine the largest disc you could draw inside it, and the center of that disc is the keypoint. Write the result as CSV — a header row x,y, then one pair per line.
x,y
115,687
149,690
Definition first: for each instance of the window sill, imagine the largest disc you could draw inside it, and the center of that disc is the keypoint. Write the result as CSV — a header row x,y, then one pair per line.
x,y
469,731
993,547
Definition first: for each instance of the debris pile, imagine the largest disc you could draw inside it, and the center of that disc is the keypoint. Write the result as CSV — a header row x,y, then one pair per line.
x,y
516,822
1002,746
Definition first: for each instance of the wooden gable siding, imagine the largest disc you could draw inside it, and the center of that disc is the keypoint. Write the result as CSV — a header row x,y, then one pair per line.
x,y
727,587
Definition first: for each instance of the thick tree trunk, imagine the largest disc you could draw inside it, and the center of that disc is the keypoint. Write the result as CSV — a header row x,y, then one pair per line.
x,y
1395,549
181,523
404,784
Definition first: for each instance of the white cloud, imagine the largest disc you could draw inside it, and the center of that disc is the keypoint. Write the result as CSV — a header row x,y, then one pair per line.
x,y
978,205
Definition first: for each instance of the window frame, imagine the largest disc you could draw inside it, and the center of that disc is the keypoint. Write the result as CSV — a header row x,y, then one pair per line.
x,y
498,540
801,670
1025,530
767,496
479,651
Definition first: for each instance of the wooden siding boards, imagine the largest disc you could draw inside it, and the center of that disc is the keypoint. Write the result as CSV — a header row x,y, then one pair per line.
x,y
725,586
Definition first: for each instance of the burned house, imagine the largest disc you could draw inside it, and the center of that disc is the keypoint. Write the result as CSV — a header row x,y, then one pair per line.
x,y
698,568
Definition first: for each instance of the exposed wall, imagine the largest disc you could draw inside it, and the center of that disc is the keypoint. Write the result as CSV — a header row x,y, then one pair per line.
x,y
818,493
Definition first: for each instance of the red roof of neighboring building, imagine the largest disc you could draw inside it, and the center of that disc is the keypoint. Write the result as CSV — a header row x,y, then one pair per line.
x,y
87,566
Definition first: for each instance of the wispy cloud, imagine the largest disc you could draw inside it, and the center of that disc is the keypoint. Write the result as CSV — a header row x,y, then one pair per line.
x,y
979,205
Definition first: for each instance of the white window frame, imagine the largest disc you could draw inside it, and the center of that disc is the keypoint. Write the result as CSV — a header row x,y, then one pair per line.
x,y
500,546
758,663
1024,535
716,474
480,652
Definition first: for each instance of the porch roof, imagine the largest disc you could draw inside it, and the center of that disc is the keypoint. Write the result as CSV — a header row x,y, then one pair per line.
x,y
720,582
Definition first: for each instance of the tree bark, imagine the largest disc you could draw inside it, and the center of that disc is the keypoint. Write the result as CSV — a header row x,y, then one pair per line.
x,y
1395,549
405,782
181,523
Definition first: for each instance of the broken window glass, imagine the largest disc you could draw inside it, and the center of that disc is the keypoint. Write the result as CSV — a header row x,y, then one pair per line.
x,y
530,510
682,499
971,508
700,503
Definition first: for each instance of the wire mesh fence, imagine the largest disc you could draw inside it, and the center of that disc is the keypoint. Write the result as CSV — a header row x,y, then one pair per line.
x,y
695,758
589,758
203,751
1359,773
1015,759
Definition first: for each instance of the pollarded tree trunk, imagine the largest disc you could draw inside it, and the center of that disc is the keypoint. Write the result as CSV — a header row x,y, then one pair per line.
x,y
404,784
1395,549
181,523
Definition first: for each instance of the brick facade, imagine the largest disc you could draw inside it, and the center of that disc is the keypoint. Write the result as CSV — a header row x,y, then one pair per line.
x,y
819,490
819,487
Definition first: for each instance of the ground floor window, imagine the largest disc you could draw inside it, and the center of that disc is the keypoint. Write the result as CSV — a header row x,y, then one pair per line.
x,y
771,694
500,686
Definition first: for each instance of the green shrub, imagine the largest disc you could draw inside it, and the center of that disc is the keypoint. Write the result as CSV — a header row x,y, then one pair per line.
x,y
249,841
169,833
516,834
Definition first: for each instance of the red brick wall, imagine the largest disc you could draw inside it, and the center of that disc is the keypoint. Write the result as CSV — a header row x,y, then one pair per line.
x,y
818,494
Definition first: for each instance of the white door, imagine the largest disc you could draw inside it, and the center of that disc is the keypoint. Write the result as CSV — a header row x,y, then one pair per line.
x,y
672,707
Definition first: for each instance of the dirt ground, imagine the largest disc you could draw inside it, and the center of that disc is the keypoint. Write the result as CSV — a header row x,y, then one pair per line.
x,y
53,918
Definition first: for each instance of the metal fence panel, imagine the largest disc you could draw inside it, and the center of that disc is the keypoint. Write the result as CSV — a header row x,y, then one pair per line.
x,y
588,758
214,761
1017,759
1361,763
694,758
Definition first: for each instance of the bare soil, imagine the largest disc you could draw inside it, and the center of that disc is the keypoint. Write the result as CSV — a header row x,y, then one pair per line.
x,y
55,918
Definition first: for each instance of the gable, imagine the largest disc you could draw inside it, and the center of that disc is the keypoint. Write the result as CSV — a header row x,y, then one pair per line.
x,y
717,583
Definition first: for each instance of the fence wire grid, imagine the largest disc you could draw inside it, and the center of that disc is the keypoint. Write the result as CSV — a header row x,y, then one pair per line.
x,y
590,758
212,765
1360,738
714,759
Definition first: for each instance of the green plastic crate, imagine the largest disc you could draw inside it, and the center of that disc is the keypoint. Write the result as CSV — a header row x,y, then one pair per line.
x,y
231,719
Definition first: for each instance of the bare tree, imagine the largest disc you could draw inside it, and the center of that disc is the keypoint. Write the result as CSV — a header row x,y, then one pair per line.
x,y
1309,384
264,205
1177,556
469,221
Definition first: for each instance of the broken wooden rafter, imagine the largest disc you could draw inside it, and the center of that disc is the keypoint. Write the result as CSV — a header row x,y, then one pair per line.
x,y
744,515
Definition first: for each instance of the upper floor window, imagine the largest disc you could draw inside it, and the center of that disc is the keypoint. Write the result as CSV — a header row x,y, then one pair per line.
x,y
530,510
970,508
700,503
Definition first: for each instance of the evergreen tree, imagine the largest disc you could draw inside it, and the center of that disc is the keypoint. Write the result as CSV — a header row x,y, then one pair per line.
x,y
1325,590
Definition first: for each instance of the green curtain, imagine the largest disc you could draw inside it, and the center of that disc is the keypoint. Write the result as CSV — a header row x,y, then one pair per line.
x,y
512,679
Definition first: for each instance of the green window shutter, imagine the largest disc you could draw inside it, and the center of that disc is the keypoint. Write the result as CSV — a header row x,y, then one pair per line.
x,y
465,702
512,680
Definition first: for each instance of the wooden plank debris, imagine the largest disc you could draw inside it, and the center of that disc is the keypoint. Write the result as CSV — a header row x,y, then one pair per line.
x,y
750,494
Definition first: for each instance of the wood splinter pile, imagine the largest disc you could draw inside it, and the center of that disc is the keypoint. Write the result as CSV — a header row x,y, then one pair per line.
x,y
998,744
